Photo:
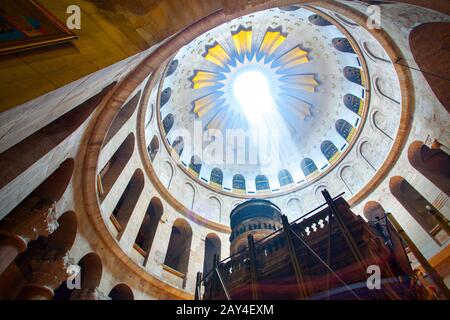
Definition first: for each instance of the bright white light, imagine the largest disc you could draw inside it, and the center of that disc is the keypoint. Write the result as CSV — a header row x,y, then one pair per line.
x,y
251,90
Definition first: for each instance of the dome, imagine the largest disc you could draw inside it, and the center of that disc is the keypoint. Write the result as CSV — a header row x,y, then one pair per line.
x,y
265,103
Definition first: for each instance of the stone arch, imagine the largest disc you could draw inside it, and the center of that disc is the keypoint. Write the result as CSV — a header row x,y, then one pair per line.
x,y
212,248
21,156
383,91
91,269
165,96
429,43
262,183
127,202
375,213
178,145
149,225
166,174
345,21
153,147
382,124
122,116
318,193
372,54
416,205
121,292
178,251
434,164
350,178
50,190
294,208
285,178
112,169
63,238
189,195
215,208
369,154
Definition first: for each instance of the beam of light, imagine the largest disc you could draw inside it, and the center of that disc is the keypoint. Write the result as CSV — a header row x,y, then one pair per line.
x,y
251,89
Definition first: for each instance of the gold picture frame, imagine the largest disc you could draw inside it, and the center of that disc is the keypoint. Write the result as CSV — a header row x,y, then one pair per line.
x,y
26,24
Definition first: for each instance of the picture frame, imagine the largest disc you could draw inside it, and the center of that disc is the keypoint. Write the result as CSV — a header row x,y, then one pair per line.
x,y
26,24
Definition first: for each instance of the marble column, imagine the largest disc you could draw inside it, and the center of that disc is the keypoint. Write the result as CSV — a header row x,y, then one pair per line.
x,y
24,225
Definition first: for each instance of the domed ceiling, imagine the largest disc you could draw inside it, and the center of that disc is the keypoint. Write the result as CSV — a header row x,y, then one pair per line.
x,y
265,103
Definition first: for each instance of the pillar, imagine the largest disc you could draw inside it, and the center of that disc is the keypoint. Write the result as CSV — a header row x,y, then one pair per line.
x,y
46,276
22,226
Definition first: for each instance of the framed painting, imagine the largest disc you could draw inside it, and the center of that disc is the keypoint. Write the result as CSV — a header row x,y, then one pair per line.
x,y
26,24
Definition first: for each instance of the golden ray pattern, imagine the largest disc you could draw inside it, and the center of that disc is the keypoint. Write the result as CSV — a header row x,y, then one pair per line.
x,y
214,105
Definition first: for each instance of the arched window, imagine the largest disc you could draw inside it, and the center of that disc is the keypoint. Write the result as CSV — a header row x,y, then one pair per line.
x,y
91,274
354,103
345,129
153,147
112,169
417,206
434,164
195,165
212,248
239,184
354,75
121,292
165,96
285,177
177,256
127,202
178,145
122,117
317,20
309,168
147,231
172,67
216,178
343,45
262,183
168,123
330,151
